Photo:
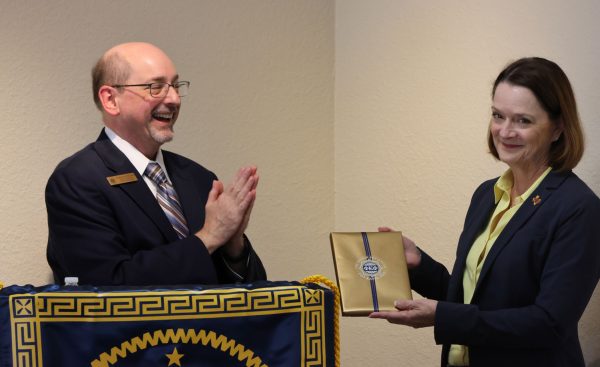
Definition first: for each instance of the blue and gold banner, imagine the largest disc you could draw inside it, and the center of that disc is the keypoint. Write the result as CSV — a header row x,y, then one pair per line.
x,y
260,324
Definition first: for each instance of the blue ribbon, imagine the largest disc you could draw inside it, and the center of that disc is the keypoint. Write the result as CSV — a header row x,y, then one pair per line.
x,y
371,279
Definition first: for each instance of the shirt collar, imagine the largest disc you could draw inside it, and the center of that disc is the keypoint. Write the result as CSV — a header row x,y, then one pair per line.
x,y
139,161
505,184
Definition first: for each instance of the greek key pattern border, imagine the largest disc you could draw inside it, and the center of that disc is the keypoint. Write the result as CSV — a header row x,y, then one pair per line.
x,y
29,311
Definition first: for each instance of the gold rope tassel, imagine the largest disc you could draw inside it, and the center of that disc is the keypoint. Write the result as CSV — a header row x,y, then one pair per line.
x,y
336,310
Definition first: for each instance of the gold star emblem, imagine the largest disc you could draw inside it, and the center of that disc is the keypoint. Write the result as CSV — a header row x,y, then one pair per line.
x,y
175,358
536,200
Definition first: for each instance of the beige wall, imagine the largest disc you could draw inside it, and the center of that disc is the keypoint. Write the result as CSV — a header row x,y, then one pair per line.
x,y
412,103
261,92
411,88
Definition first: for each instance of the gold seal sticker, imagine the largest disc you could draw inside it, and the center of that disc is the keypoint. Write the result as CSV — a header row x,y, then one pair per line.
x,y
370,268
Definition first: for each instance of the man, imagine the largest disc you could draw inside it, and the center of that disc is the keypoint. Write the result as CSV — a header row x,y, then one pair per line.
x,y
123,211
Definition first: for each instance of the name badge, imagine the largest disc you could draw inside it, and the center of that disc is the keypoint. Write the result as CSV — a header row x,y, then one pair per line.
x,y
122,179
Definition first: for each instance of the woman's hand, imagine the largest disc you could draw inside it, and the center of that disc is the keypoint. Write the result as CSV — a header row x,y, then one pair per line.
x,y
411,252
418,313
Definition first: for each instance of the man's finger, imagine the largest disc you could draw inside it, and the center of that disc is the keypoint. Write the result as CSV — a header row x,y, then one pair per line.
x,y
215,191
240,179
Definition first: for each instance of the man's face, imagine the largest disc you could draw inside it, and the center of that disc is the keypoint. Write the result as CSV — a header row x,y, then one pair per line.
x,y
147,121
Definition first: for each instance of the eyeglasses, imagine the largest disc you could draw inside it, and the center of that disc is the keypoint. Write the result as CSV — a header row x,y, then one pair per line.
x,y
160,89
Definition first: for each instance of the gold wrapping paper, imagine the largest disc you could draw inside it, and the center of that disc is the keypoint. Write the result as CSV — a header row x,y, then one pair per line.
x,y
369,282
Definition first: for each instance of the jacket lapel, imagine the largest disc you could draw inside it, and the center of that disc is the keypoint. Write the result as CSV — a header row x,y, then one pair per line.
x,y
527,209
474,224
138,191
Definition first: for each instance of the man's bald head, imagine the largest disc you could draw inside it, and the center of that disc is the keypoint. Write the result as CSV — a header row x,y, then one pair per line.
x,y
115,66
110,69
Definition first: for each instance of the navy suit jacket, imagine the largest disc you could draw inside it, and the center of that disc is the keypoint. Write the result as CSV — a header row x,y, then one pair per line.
x,y
535,282
113,235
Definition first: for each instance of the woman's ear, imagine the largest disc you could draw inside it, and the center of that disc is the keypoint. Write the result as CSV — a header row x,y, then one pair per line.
x,y
558,130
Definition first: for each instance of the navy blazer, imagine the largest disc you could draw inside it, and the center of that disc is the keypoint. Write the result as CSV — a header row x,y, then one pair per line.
x,y
535,282
114,235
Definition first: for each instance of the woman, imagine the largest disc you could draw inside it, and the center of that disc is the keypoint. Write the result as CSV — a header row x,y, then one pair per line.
x,y
528,258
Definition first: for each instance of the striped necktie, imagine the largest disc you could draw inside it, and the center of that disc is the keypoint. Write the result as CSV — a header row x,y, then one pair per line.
x,y
167,198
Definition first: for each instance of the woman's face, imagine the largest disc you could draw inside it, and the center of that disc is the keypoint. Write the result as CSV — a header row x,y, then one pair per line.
x,y
521,129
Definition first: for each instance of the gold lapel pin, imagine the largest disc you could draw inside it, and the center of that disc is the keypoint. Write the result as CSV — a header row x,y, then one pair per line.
x,y
536,200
